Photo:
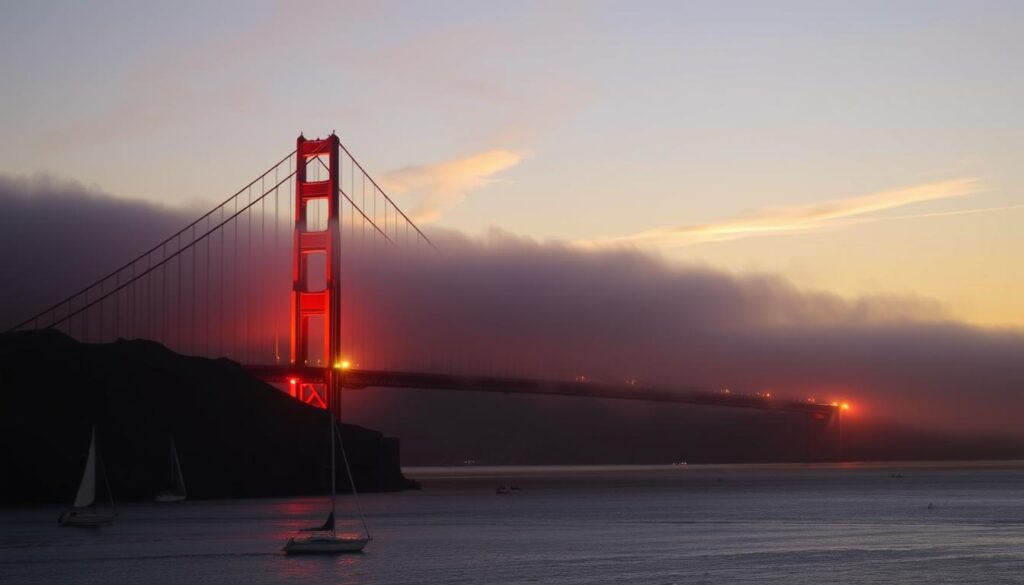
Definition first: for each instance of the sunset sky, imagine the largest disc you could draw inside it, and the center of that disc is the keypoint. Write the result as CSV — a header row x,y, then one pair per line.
x,y
858,148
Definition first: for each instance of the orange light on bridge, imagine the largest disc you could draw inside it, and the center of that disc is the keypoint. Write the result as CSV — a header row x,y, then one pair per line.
x,y
343,365
841,405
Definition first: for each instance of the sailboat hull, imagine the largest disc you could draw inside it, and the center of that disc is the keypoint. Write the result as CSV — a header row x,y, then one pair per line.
x,y
86,518
324,545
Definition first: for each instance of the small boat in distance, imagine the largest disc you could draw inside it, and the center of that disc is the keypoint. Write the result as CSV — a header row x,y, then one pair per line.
x,y
177,492
85,512
506,488
325,538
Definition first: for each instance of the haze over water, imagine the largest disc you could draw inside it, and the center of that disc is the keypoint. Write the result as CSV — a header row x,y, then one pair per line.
x,y
851,523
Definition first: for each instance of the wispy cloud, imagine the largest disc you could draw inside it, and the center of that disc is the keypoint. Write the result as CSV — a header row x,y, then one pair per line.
x,y
436,187
798,218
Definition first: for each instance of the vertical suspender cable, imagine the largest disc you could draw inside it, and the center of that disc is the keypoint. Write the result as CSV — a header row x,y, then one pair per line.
x,y
208,297
162,336
274,248
260,304
178,313
292,200
193,309
85,320
221,308
235,305
132,303
247,317
101,324
117,305
148,314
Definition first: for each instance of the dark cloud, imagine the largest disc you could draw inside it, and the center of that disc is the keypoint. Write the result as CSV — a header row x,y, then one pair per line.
x,y
57,236
507,305
548,308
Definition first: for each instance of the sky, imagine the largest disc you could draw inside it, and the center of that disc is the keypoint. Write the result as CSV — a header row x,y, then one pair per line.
x,y
866,148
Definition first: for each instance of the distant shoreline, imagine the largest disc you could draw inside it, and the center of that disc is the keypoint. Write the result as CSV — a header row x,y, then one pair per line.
x,y
504,471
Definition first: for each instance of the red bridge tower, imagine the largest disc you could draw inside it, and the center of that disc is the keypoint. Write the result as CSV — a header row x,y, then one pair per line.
x,y
316,251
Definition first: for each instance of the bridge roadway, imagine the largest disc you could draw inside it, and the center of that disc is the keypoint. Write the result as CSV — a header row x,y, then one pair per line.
x,y
358,379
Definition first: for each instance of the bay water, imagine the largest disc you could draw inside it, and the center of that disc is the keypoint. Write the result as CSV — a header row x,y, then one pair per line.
x,y
792,524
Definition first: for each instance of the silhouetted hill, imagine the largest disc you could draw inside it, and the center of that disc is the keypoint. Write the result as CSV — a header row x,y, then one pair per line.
x,y
235,435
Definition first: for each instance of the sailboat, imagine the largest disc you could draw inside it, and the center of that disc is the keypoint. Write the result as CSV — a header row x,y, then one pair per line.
x,y
177,491
324,539
84,512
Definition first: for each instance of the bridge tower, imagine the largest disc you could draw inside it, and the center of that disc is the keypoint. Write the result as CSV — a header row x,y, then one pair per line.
x,y
317,249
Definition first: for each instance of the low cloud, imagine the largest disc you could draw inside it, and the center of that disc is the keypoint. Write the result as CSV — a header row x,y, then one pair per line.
x,y
437,187
516,306
506,305
57,236
811,217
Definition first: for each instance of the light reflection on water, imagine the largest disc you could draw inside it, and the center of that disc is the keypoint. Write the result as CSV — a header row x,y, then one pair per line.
x,y
314,568
701,524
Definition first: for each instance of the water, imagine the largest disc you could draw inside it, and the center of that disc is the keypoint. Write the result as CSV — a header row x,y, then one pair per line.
x,y
650,525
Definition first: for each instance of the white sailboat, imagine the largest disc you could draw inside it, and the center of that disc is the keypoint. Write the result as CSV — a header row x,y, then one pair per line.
x,y
325,539
177,492
85,512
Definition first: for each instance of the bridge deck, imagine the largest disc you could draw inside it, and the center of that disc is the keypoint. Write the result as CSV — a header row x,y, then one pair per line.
x,y
356,379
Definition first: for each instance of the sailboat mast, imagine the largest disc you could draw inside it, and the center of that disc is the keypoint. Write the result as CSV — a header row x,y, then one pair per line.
x,y
334,474
103,469
352,482
179,477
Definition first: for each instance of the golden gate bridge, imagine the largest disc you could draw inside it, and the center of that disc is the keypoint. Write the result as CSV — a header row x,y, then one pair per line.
x,y
285,277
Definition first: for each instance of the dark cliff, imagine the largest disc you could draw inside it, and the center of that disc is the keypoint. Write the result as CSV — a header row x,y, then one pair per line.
x,y
235,435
